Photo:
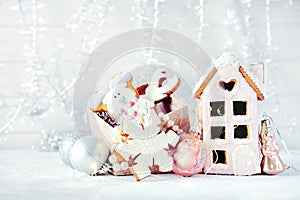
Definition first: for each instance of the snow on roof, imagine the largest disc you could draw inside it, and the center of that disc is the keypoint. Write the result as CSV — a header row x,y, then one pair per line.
x,y
225,60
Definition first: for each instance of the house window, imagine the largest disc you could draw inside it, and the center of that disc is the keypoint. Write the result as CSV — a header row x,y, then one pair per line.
x,y
241,132
217,108
219,156
240,107
229,86
218,132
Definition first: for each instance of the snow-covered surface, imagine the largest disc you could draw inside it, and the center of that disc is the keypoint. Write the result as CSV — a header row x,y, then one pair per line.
x,y
26,174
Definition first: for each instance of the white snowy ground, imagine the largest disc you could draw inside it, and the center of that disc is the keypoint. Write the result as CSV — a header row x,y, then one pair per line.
x,y
26,174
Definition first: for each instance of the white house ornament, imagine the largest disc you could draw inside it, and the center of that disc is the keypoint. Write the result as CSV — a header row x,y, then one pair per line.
x,y
229,95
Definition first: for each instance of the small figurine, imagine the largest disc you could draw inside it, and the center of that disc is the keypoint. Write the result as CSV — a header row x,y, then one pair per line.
x,y
271,161
189,155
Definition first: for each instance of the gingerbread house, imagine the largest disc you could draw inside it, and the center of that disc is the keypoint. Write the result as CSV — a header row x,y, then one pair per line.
x,y
228,116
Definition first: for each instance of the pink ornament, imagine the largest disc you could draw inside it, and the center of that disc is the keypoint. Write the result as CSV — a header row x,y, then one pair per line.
x,y
271,162
189,155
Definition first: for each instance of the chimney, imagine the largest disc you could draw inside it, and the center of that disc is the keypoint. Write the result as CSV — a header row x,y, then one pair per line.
x,y
258,70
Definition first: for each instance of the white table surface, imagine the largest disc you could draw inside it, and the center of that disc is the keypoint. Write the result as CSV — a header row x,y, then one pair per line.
x,y
26,174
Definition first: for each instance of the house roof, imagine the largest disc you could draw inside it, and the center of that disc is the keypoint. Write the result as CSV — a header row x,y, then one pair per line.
x,y
225,60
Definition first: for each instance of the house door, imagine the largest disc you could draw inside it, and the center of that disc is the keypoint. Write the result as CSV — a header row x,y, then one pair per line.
x,y
245,161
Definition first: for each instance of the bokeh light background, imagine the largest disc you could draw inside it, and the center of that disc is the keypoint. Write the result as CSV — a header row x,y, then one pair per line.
x,y
43,44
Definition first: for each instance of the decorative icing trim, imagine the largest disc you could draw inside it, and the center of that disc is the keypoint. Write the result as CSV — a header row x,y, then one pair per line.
x,y
255,84
242,141
217,141
219,167
201,85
